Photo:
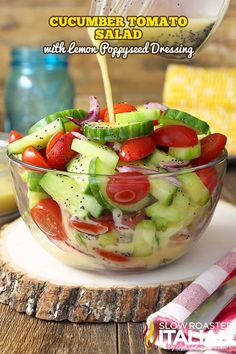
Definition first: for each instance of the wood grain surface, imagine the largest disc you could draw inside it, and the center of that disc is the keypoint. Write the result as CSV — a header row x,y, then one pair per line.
x,y
136,79
21,334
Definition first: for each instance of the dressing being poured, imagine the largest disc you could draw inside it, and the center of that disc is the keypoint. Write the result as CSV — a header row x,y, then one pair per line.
x,y
105,76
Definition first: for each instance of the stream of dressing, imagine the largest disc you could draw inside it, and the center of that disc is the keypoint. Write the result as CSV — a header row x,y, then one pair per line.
x,y
102,60
194,35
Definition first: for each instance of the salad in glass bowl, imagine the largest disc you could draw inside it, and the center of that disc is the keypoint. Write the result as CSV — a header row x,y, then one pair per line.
x,y
130,195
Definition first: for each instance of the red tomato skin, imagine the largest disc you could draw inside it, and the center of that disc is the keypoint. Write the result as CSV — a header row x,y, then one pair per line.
x,y
102,113
134,182
47,216
175,136
120,108
14,135
209,177
53,140
211,146
115,257
61,153
33,157
136,149
89,228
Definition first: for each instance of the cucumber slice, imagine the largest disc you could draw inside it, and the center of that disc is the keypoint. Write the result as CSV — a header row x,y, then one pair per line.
x,y
38,139
187,153
174,116
92,149
107,239
138,116
144,238
193,186
74,113
98,187
159,156
174,213
162,190
33,179
35,197
66,192
111,132
163,236
80,166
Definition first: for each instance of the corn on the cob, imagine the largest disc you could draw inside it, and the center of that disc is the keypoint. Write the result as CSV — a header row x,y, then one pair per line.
x,y
209,94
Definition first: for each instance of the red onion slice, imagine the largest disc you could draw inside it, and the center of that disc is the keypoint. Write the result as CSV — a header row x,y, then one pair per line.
x,y
153,105
79,136
92,115
143,170
172,166
172,180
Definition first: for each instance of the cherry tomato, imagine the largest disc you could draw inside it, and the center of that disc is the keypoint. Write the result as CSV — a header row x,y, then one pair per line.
x,y
102,113
208,177
105,220
88,227
60,152
212,146
13,136
120,108
47,216
33,157
115,257
127,187
175,136
53,140
136,149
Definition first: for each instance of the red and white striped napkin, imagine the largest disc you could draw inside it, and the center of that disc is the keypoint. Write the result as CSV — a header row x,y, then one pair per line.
x,y
176,312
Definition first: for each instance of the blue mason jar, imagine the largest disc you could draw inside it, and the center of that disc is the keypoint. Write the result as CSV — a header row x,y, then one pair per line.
x,y
38,84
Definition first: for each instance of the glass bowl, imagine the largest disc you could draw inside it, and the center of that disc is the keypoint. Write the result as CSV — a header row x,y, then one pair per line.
x,y
157,230
8,208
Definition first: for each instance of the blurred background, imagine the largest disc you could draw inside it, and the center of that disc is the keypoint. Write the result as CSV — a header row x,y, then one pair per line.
x,y
138,79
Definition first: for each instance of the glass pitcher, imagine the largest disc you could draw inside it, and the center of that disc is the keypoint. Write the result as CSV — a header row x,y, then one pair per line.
x,y
204,17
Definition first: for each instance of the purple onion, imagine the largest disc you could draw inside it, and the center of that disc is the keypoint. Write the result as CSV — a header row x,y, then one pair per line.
x,y
79,136
143,170
153,105
172,180
175,165
93,113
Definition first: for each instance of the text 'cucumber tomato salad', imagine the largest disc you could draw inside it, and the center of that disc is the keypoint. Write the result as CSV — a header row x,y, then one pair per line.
x,y
128,195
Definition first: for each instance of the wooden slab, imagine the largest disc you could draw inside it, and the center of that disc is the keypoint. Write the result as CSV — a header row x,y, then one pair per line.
x,y
32,281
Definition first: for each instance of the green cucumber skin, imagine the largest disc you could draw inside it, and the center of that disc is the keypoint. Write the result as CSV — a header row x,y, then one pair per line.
x,y
74,113
174,116
38,139
111,133
187,153
138,116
